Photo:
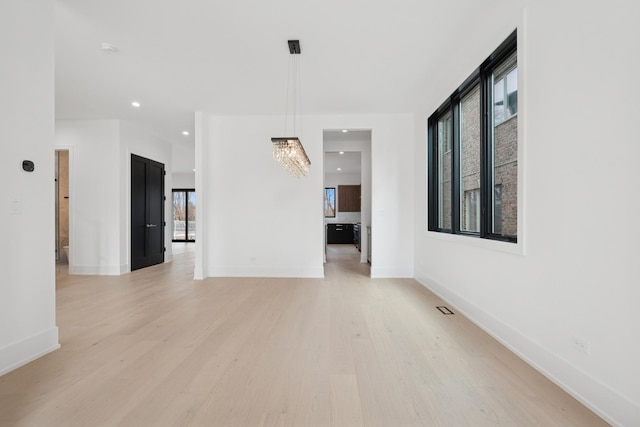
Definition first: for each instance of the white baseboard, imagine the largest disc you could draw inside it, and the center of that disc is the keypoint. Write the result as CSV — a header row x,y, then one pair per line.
x,y
28,349
99,270
391,273
610,405
249,271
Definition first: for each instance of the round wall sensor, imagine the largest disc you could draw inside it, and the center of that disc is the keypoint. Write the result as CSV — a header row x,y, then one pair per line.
x,y
28,166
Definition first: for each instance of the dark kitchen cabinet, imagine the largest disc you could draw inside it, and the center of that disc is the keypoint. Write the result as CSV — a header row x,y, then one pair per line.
x,y
340,233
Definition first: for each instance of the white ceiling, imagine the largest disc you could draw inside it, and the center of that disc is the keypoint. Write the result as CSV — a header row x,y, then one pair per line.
x,y
231,57
348,162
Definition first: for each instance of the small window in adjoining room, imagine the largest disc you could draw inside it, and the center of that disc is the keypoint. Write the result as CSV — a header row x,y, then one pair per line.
x,y
473,152
184,215
330,202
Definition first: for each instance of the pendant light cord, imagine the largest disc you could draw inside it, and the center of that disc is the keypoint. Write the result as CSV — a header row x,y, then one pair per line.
x,y
286,106
295,91
294,84
299,91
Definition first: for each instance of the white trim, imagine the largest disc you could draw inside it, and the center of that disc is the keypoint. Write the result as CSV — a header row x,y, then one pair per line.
x,y
28,349
272,272
391,272
99,270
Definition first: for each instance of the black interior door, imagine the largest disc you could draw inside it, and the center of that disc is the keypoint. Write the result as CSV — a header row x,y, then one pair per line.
x,y
147,212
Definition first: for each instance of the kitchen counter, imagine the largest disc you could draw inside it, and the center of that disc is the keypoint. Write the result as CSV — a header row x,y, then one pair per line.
x,y
340,233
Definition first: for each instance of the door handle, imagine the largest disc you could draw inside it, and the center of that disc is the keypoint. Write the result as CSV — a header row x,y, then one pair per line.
x,y
151,225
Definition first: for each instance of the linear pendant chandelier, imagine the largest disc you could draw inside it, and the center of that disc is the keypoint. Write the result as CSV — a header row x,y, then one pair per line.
x,y
288,150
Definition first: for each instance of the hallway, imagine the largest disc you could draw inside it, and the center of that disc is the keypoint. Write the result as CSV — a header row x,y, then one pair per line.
x,y
345,259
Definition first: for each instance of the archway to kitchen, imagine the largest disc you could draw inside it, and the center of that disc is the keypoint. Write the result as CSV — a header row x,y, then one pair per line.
x,y
347,193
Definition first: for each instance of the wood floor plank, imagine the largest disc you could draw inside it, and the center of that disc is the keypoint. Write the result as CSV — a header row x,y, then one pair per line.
x,y
156,348
346,408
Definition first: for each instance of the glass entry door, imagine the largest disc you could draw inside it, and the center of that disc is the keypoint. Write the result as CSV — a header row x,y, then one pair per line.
x,y
184,215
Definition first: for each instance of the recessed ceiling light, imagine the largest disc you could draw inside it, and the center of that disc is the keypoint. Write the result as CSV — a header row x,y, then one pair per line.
x,y
136,104
342,152
339,169
194,170
344,131
108,47
185,132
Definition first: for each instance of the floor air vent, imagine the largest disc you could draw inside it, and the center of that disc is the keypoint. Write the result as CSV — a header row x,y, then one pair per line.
x,y
444,310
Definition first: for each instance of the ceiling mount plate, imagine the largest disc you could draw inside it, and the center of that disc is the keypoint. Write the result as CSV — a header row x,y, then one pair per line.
x,y
294,47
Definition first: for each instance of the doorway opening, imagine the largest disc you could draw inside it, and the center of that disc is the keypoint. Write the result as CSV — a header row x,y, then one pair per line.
x,y
61,169
184,215
347,192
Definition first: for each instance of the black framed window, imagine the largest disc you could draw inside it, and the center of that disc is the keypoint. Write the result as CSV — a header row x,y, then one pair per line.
x,y
473,152
444,129
330,202
184,215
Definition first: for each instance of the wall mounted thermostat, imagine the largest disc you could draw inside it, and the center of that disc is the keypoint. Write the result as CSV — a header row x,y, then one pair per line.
x,y
28,166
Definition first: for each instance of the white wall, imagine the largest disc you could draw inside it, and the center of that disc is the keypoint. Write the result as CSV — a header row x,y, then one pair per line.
x,y
260,219
136,140
94,195
184,180
183,156
263,222
574,273
391,198
27,255
335,179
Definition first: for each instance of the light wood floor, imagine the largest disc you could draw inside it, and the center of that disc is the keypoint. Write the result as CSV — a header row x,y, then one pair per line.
x,y
155,348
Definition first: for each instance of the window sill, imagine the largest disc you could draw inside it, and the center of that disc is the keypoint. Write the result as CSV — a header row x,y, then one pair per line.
x,y
489,244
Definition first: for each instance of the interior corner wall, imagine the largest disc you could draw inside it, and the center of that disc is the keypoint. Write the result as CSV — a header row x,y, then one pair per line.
x,y
27,256
94,195
392,154
261,221
137,140
574,273
202,145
